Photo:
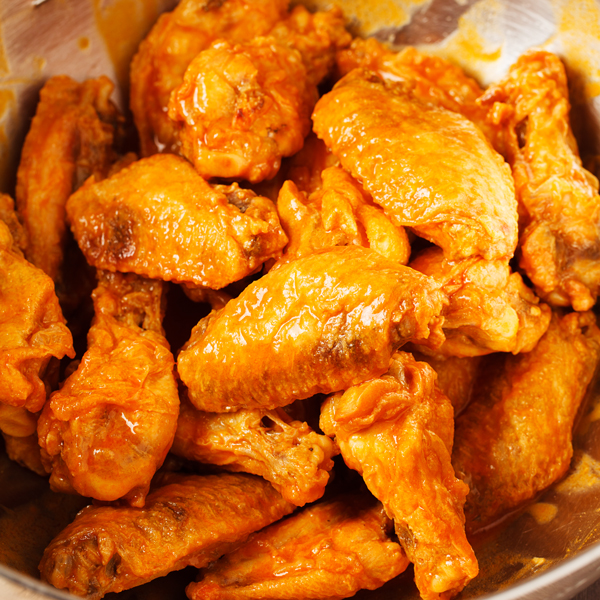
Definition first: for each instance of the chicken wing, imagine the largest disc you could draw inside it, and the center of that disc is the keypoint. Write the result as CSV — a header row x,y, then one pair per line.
x,y
110,426
326,552
71,137
305,167
32,328
396,431
25,451
559,203
514,439
338,214
432,79
242,107
429,168
456,375
490,309
176,38
316,325
158,218
190,521
288,453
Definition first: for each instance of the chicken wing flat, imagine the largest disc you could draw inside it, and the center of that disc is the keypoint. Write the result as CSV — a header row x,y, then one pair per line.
x,y
316,325
326,552
242,107
559,203
190,521
490,309
338,214
11,220
71,137
32,328
432,79
160,219
288,453
110,426
514,439
429,168
396,431
176,38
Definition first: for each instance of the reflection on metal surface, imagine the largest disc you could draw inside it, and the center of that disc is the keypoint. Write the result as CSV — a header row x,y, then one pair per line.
x,y
549,549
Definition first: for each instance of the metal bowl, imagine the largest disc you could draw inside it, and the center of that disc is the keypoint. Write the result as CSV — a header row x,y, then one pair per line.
x,y
552,548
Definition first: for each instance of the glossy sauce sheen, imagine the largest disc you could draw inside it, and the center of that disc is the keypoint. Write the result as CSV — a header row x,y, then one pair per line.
x,y
318,324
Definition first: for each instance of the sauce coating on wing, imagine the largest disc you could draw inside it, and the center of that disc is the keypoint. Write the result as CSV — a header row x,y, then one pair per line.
x,y
316,325
176,38
339,213
160,219
328,551
490,308
559,201
396,431
288,453
242,107
514,439
71,137
429,168
108,429
190,521
32,328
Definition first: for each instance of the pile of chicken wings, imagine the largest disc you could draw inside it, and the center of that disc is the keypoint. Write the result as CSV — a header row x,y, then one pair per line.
x,y
400,268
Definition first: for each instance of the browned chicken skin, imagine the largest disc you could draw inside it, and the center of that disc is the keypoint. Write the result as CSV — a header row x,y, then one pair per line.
x,y
190,521
288,453
559,202
160,219
429,168
432,79
110,426
514,439
396,431
456,375
32,328
71,137
338,214
242,107
316,325
176,38
490,309
328,551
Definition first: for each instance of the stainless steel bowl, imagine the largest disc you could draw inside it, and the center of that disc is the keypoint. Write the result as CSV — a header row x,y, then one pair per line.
x,y
552,549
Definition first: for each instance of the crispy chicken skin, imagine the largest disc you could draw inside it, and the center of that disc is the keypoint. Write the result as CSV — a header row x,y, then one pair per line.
x,y
456,375
32,328
190,521
160,219
338,214
429,168
110,426
176,38
559,202
242,107
432,79
514,439
71,137
328,551
288,453
316,325
490,309
396,431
